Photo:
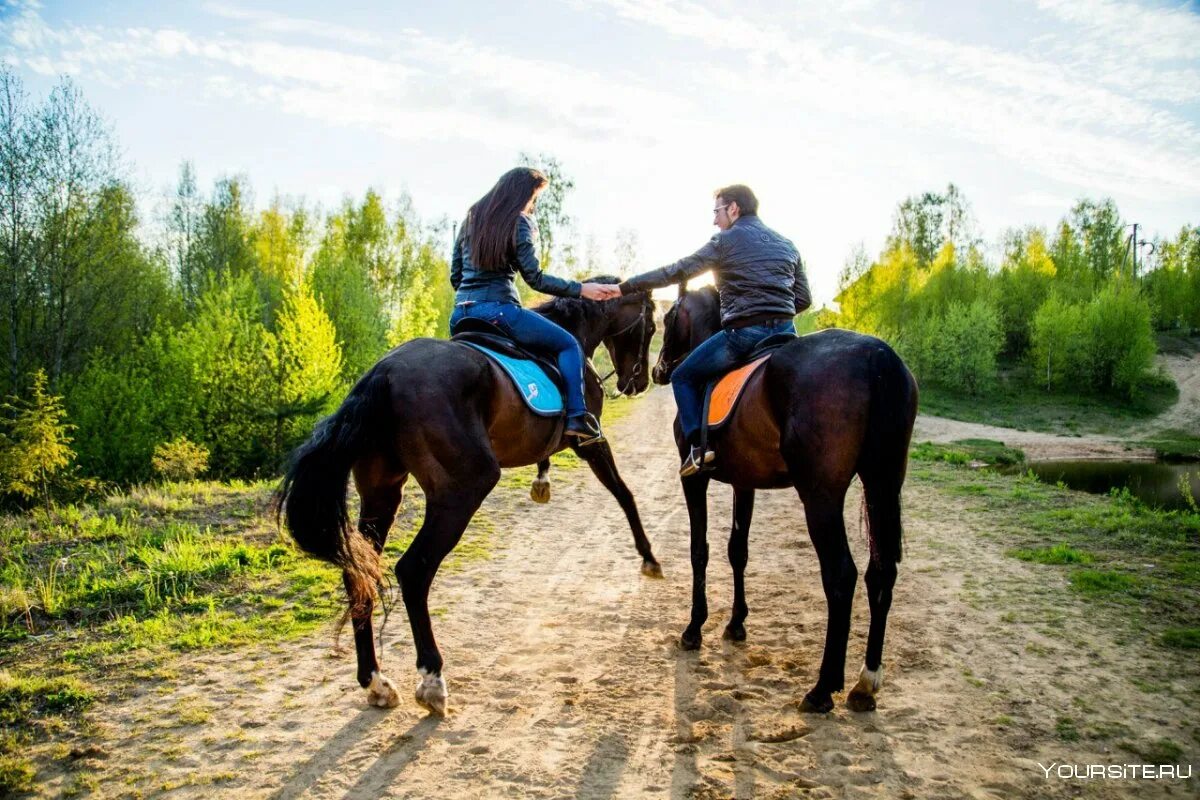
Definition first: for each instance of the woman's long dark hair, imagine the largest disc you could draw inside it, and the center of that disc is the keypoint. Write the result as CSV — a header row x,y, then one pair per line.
x,y
491,225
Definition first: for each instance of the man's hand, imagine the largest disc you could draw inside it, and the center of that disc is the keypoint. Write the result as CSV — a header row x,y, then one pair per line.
x,y
599,291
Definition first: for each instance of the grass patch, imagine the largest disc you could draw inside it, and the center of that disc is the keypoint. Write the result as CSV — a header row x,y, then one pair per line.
x,y
32,708
1182,638
1175,446
1065,729
1015,403
1092,582
1138,561
1160,751
1058,554
967,451
16,775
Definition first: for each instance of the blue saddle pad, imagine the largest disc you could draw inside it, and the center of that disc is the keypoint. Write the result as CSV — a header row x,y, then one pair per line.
x,y
540,393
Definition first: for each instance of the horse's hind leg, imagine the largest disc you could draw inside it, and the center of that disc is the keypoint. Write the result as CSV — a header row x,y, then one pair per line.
x,y
540,490
739,554
600,458
450,503
838,578
380,493
883,524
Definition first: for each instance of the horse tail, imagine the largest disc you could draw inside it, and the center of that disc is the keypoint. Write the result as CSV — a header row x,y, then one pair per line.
x,y
312,496
882,466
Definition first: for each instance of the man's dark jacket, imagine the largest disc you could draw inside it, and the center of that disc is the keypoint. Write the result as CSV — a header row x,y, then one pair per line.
x,y
759,274
472,283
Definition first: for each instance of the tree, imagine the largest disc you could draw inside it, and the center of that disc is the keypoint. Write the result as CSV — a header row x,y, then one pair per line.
x,y
36,443
1057,343
346,293
928,221
18,175
304,357
223,249
183,232
1023,284
625,251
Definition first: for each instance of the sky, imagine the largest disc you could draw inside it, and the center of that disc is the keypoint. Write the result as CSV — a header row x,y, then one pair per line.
x,y
832,113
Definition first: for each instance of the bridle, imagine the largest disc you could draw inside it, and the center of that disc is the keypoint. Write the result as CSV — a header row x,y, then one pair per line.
x,y
670,366
647,306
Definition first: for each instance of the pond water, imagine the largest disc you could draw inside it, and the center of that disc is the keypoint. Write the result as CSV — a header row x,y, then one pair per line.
x,y
1154,483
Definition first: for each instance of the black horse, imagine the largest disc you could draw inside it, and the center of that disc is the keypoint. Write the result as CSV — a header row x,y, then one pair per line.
x,y
448,416
826,407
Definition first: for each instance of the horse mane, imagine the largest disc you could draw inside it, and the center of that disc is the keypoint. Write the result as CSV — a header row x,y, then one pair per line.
x,y
575,313
707,311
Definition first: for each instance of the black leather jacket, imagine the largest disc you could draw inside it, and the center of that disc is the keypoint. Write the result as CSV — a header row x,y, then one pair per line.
x,y
472,284
759,274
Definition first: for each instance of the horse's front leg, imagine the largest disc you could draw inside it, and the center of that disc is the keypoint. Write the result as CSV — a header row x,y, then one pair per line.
x,y
739,554
600,458
540,490
695,491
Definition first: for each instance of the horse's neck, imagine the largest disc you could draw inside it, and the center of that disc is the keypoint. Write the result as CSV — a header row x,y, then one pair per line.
x,y
706,321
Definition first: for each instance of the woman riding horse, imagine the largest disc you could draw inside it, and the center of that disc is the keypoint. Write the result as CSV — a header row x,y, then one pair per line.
x,y
498,240
450,417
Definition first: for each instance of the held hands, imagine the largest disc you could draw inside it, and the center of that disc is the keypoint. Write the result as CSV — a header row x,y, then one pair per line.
x,y
599,291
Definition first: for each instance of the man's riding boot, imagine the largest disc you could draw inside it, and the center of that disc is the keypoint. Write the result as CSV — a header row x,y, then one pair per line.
x,y
583,429
698,459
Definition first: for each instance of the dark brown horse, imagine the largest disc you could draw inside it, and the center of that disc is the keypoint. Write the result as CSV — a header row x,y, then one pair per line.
x,y
446,415
826,407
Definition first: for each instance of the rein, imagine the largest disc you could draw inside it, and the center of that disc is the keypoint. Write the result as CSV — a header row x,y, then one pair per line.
x,y
637,367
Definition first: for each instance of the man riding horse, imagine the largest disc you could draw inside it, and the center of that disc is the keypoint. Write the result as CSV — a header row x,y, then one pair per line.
x,y
762,285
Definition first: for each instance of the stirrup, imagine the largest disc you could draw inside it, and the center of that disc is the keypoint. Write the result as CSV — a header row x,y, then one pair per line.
x,y
582,438
696,460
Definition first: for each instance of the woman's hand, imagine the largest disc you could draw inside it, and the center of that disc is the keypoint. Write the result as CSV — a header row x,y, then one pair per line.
x,y
599,291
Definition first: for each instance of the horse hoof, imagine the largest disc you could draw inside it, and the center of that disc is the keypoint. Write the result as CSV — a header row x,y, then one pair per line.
x,y
432,694
539,492
862,696
651,569
690,641
734,633
382,692
860,701
812,704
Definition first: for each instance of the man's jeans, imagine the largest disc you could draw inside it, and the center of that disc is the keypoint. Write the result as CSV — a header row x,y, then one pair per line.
x,y
714,357
535,332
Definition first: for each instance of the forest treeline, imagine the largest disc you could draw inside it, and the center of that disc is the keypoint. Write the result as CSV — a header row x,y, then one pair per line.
x,y
1065,308
219,343
214,338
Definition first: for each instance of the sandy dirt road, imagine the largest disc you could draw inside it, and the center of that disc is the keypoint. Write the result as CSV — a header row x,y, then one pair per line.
x,y
565,679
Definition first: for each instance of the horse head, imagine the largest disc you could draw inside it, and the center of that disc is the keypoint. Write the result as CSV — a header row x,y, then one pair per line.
x,y
627,339
689,321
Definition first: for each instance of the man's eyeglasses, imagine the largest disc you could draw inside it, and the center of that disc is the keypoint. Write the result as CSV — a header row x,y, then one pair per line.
x,y
718,209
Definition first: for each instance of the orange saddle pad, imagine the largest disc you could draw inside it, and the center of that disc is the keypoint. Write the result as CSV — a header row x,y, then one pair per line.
x,y
727,391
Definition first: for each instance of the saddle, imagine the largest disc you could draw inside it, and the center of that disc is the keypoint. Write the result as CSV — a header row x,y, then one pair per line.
x,y
535,376
722,395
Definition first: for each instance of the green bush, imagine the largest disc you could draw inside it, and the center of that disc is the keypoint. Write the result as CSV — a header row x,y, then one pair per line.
x,y
1058,344
964,352
1120,342
35,444
180,459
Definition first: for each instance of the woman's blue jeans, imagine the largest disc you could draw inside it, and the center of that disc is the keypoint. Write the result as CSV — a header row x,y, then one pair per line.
x,y
715,356
535,332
